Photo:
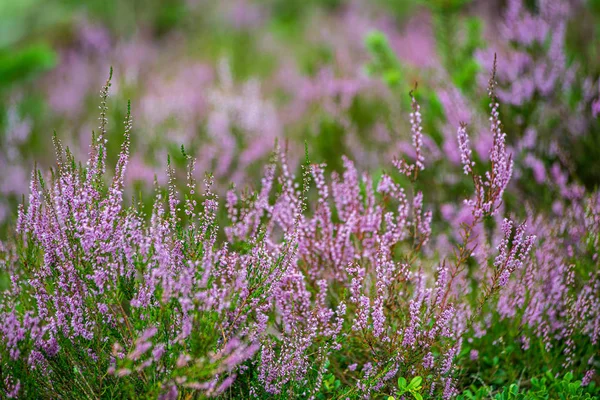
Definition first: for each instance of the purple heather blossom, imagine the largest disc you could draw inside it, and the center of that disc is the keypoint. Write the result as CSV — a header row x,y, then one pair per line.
x,y
417,143
490,187
473,355
465,150
535,69
417,133
510,259
12,388
587,379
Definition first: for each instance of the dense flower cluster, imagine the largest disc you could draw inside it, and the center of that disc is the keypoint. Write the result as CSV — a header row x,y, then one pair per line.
x,y
428,257
161,298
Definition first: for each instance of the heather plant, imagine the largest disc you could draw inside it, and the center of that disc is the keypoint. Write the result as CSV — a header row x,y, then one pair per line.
x,y
465,267
546,319
298,293
543,77
112,297
539,151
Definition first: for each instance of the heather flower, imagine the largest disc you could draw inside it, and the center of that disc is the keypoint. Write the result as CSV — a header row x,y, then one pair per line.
x,y
474,354
12,388
490,187
465,150
417,134
587,379
417,142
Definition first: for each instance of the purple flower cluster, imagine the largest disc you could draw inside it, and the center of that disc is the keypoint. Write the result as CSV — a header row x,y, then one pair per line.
x,y
270,302
306,271
535,65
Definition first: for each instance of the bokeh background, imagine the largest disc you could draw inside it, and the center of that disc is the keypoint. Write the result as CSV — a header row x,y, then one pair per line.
x,y
226,79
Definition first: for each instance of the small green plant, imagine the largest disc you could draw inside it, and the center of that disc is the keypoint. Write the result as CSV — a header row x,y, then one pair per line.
x,y
330,386
413,388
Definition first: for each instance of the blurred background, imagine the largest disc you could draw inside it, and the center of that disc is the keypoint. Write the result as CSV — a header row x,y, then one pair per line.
x,y
226,79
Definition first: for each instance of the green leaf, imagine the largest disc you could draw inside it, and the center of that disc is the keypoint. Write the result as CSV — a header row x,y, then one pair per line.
x,y
417,395
402,383
568,377
415,383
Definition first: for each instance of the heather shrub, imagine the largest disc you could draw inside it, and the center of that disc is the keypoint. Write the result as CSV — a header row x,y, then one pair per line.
x,y
450,254
340,290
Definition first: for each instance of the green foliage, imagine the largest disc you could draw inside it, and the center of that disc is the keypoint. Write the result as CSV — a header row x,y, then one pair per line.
x,y
24,52
458,38
170,15
290,11
17,65
330,386
400,9
384,63
588,151
447,6
413,388
330,141
26,19
546,387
